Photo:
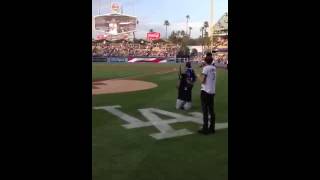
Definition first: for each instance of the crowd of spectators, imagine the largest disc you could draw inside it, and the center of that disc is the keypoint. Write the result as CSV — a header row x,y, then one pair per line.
x,y
139,49
221,58
221,43
161,49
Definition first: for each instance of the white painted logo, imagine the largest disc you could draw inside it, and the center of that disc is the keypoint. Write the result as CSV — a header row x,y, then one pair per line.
x,y
166,131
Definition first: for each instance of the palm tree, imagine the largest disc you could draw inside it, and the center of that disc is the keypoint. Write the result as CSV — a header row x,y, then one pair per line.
x,y
190,28
205,25
188,17
134,37
166,23
178,33
207,39
183,33
206,34
202,29
173,37
150,30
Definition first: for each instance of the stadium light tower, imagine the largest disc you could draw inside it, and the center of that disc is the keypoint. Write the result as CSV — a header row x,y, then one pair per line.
x,y
212,23
109,6
99,7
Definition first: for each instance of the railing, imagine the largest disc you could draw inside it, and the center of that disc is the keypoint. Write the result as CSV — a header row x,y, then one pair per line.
x,y
99,59
181,60
109,59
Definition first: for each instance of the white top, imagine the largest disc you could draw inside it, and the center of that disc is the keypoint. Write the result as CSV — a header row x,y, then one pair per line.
x,y
210,85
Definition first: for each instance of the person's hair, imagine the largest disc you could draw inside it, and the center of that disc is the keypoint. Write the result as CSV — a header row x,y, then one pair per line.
x,y
209,54
208,60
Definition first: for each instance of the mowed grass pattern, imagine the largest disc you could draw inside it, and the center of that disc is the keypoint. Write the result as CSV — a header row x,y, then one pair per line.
x,y
131,154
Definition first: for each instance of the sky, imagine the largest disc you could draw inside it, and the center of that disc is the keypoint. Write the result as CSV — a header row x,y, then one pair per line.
x,y
151,14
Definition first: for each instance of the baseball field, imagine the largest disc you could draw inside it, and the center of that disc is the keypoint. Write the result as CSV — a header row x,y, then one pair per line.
x,y
139,135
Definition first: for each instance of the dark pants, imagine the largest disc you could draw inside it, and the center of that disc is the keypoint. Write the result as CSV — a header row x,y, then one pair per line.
x,y
207,104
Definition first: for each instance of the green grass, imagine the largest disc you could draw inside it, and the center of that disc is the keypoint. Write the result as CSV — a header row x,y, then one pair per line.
x,y
109,71
131,154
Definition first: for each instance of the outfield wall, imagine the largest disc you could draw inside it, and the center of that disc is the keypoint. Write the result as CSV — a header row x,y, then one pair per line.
x,y
137,59
146,60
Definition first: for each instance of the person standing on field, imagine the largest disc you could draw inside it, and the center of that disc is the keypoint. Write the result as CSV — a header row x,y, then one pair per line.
x,y
208,90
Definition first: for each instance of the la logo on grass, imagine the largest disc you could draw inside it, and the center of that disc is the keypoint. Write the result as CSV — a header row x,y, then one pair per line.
x,y
166,131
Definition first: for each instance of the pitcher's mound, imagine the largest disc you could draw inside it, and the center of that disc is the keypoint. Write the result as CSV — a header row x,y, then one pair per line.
x,y
120,86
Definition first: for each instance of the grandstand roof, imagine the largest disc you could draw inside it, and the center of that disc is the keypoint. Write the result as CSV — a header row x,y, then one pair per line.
x,y
222,24
114,14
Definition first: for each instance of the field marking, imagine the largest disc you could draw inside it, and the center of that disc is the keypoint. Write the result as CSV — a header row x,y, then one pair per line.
x,y
166,131
111,86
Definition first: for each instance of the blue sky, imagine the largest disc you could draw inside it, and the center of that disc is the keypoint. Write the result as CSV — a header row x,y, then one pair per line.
x,y
151,13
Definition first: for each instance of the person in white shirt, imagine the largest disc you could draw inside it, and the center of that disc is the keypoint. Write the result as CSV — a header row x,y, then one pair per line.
x,y
208,91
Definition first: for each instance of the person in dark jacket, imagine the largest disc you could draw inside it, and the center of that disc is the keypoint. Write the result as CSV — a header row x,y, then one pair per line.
x,y
184,93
